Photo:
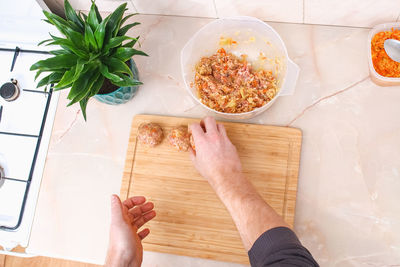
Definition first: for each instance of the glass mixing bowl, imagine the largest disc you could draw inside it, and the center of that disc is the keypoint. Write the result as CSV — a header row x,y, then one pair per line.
x,y
252,37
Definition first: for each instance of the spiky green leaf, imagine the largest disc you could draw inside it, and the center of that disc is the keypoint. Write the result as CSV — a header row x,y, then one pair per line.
x,y
45,41
114,21
125,53
96,86
100,32
38,74
131,43
60,52
54,63
91,78
79,88
92,18
68,45
90,40
124,19
117,66
67,79
83,104
83,16
49,79
96,10
72,16
126,28
112,77
61,24
77,39
126,81
116,41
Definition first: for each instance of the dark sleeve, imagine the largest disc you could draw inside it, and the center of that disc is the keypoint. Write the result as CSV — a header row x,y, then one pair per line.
x,y
279,247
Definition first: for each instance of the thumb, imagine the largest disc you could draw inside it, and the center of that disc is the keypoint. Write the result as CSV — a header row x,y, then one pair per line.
x,y
116,210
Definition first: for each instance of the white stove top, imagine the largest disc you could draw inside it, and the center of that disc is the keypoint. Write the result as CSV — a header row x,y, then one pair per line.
x,y
25,129
25,123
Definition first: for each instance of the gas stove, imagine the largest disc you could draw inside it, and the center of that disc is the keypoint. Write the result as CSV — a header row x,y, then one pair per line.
x,y
26,119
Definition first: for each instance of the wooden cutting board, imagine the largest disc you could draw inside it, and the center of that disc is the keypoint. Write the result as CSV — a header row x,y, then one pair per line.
x,y
190,219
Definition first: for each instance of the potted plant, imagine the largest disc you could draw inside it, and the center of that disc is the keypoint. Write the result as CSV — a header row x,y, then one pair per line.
x,y
94,59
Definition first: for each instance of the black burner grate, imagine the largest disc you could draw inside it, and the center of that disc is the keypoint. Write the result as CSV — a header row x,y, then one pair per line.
x,y
38,137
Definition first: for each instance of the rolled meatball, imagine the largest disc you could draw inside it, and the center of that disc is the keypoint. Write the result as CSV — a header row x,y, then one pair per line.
x,y
150,134
179,138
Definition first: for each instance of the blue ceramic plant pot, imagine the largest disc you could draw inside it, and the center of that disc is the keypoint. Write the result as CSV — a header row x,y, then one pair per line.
x,y
122,94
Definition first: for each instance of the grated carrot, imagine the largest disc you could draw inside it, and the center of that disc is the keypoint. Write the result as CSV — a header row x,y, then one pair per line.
x,y
383,64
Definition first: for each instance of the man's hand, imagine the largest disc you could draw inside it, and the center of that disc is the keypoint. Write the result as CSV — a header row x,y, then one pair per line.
x,y
217,160
215,157
125,247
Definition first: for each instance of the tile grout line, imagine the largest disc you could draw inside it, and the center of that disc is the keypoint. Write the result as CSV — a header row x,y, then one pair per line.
x,y
136,10
398,17
269,21
215,9
304,10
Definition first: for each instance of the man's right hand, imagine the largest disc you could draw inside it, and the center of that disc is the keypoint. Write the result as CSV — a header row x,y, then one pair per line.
x,y
217,160
215,157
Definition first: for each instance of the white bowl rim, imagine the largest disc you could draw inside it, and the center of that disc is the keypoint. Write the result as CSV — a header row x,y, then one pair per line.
x,y
256,110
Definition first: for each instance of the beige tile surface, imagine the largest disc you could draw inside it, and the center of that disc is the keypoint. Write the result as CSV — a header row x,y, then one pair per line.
x,y
198,8
347,211
359,13
364,13
103,5
269,10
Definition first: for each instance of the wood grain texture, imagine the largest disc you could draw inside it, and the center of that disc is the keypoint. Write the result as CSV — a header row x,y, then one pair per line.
x,y
11,261
2,260
191,220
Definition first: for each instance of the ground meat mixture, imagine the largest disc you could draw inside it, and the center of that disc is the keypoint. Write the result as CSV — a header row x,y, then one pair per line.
x,y
150,134
179,138
227,83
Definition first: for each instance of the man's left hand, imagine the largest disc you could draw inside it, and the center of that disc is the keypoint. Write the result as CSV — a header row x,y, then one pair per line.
x,y
125,245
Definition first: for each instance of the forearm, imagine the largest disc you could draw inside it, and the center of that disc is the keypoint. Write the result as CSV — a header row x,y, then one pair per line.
x,y
120,258
251,214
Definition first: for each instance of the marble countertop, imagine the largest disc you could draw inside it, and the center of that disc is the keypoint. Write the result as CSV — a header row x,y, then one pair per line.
x,y
347,210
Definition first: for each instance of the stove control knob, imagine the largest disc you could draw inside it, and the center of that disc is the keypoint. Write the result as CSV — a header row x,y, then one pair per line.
x,y
10,91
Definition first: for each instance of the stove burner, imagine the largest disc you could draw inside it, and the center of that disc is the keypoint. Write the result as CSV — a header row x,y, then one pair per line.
x,y
1,176
10,91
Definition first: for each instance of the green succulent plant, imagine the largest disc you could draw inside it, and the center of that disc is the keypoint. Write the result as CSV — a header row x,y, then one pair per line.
x,y
93,49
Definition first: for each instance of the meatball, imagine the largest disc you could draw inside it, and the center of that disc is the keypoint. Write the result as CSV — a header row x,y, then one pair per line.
x,y
150,134
179,138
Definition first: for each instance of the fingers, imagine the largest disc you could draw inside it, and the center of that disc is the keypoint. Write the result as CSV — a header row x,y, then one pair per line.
x,y
134,201
139,210
197,131
210,124
202,125
142,234
222,131
116,210
145,218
